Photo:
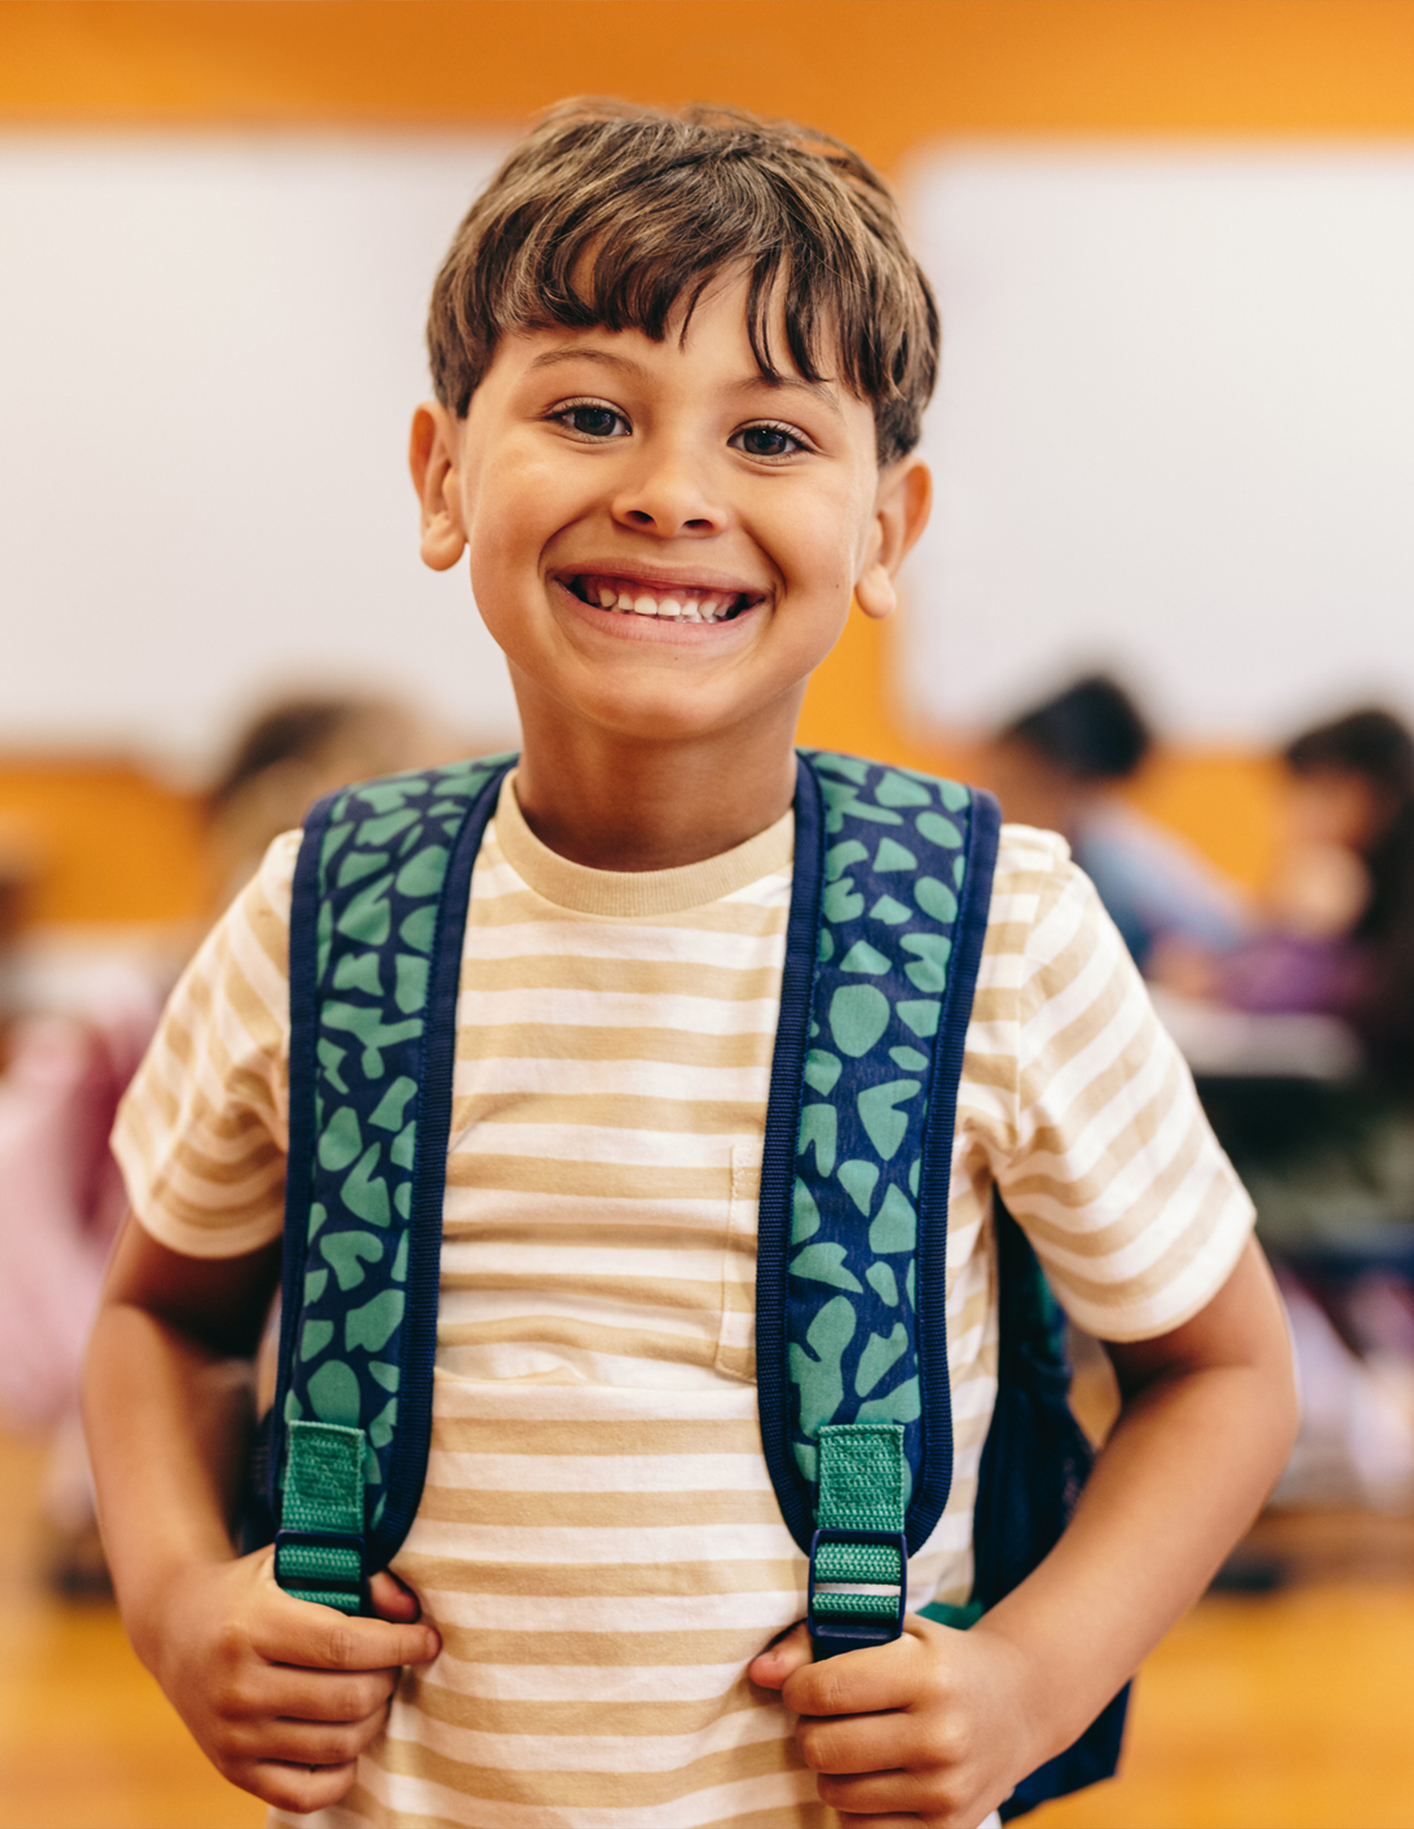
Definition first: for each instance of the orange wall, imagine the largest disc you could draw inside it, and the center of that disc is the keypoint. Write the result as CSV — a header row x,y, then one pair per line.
x,y
885,74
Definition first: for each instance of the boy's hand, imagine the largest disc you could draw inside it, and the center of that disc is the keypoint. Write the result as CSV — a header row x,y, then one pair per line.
x,y
282,1694
935,1727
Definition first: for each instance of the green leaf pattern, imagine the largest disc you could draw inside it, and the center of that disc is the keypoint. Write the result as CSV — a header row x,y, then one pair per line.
x,y
383,863
880,983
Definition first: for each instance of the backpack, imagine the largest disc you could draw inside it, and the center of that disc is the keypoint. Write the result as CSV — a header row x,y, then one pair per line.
x,y
889,906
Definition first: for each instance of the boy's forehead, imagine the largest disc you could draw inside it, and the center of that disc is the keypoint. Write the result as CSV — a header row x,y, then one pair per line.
x,y
709,338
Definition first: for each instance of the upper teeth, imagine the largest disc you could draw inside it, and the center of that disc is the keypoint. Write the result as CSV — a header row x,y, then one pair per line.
x,y
685,605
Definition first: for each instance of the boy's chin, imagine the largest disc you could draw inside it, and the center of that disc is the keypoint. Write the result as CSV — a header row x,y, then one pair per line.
x,y
667,714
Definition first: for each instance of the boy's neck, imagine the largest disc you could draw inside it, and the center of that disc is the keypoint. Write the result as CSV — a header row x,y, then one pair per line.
x,y
613,802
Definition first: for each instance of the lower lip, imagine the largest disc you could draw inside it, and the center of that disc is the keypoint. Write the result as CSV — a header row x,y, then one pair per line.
x,y
627,625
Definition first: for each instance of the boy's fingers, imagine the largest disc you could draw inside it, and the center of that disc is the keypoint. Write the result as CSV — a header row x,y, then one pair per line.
x,y
295,1788
321,1638
323,1695
873,1797
858,1682
314,1743
771,1668
856,1743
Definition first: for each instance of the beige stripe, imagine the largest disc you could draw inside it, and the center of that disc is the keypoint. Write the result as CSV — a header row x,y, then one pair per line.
x,y
610,1111
502,903
642,1290
632,1720
656,1230
597,1581
632,1434
611,1042
629,1511
592,1790
607,1650
685,1348
623,977
598,1180
795,1816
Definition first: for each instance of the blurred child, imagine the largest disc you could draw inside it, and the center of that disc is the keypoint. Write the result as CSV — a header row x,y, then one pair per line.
x,y
296,750
61,1197
1341,939
1057,765
681,363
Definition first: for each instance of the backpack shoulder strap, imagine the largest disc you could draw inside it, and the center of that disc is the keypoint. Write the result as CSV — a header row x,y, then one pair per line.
x,y
892,886
376,924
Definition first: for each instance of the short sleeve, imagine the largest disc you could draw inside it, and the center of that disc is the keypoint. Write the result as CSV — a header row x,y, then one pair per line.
x,y
203,1130
1111,1167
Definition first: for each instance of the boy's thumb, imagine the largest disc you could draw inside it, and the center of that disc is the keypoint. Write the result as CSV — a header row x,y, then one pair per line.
x,y
392,1600
779,1662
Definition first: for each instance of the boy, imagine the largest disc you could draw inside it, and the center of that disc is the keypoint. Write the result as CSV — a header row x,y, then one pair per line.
x,y
680,364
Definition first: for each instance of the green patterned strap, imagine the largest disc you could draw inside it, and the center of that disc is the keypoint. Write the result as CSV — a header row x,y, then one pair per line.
x,y
319,1549
863,1487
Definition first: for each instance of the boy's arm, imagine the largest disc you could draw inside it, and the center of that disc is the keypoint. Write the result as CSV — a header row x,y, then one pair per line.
x,y
940,1725
281,1694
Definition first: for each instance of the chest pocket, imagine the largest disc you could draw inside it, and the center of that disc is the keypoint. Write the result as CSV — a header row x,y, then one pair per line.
x,y
736,1336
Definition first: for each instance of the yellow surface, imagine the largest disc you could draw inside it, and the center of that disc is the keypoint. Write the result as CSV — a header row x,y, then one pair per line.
x,y
87,1739
1285,1713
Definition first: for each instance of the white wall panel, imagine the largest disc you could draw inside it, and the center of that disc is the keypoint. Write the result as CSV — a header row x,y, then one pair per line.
x,y
1175,432
209,352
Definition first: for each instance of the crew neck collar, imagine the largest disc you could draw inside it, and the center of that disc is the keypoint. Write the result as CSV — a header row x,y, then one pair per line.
x,y
629,893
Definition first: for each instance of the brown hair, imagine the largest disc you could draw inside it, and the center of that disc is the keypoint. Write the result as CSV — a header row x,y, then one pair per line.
x,y
607,214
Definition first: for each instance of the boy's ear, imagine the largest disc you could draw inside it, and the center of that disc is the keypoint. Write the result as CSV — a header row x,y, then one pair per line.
x,y
433,454
900,514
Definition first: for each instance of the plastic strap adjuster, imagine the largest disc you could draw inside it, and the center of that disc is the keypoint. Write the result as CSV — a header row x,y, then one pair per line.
x,y
347,1592
832,1632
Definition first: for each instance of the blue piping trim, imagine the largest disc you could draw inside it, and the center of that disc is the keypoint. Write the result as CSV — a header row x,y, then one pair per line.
x,y
930,1493
778,1158
304,1013
407,1468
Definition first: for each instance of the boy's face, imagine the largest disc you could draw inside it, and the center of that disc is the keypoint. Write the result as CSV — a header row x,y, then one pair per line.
x,y
663,542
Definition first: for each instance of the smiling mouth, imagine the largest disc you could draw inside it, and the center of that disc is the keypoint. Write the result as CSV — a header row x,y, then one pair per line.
x,y
675,603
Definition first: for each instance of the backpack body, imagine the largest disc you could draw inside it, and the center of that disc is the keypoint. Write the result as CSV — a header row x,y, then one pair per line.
x,y
889,906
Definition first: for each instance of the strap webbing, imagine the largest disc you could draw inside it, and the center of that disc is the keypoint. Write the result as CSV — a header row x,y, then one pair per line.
x,y
323,1502
863,1483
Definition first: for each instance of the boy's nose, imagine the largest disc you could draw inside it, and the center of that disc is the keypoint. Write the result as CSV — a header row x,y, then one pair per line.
x,y
670,501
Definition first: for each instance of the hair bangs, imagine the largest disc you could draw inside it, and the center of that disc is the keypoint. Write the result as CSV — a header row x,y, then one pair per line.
x,y
626,218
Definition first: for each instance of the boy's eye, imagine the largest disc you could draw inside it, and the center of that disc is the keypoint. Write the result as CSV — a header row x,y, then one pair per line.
x,y
592,419
767,441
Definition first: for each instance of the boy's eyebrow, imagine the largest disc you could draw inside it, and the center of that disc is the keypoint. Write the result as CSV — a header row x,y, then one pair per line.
x,y
577,352
817,390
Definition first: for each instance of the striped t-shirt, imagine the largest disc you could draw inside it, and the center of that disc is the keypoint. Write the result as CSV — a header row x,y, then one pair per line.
x,y
598,1542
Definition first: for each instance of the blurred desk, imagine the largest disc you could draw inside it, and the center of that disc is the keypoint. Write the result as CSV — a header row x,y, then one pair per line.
x,y
1327,1154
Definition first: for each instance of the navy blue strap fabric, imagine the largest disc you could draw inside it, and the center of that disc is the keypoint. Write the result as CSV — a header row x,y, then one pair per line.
x,y
408,1463
377,919
889,908
773,1391
934,1481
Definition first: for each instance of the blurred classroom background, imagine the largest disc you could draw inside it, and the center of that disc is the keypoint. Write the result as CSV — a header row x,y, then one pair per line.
x,y
1164,606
